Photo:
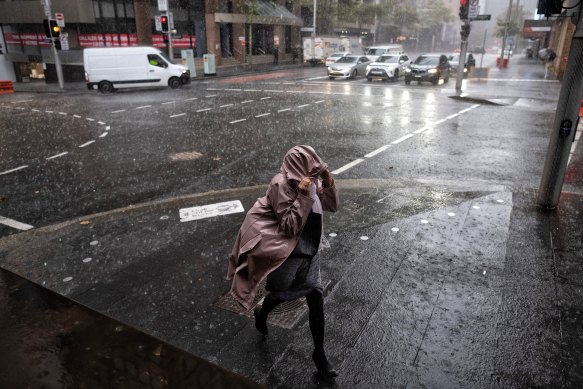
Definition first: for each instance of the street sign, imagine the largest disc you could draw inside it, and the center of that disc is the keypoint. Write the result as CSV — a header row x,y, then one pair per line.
x,y
162,5
211,210
170,21
64,38
158,23
60,18
481,17
46,7
474,11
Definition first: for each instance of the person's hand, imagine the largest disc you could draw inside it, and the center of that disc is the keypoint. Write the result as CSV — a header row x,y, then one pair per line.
x,y
304,186
327,179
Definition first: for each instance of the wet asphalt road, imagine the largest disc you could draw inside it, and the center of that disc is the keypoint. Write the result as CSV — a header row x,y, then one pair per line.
x,y
65,156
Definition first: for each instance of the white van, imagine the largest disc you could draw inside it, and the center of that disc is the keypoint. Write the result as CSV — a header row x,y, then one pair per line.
x,y
374,52
109,68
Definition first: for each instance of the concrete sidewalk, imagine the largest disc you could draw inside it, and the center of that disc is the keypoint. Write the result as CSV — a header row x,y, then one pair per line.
x,y
464,284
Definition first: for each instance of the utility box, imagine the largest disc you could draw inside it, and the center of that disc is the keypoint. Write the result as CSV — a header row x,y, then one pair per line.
x,y
188,57
209,65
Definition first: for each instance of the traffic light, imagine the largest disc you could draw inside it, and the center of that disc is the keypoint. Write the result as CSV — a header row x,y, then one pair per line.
x,y
549,7
465,32
164,23
464,11
57,42
55,29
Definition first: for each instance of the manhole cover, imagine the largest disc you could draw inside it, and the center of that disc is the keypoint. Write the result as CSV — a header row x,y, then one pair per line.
x,y
285,315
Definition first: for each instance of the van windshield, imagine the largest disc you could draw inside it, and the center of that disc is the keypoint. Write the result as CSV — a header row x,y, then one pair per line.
x,y
373,51
165,56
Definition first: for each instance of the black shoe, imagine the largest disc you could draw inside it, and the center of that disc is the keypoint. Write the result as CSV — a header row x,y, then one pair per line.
x,y
260,321
324,367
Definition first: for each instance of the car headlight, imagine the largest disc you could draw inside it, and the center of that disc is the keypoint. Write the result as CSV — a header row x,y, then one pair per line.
x,y
465,70
433,71
367,68
408,70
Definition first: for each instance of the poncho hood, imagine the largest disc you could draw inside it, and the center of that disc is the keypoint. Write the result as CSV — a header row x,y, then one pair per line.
x,y
302,161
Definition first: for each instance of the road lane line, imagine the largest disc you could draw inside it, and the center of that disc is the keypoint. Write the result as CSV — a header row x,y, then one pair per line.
x,y
212,89
14,170
377,151
103,124
319,101
20,101
87,143
348,166
107,128
226,105
247,101
143,106
283,110
20,108
90,119
265,98
77,116
320,93
175,116
422,129
49,111
401,139
103,135
118,111
204,109
440,121
303,105
262,115
192,98
57,156
234,90
62,113
35,110
168,102
251,90
452,116
273,90
14,224
210,96
295,91
237,121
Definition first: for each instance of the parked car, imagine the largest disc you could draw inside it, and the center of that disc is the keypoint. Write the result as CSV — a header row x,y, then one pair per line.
x,y
334,57
348,66
429,67
388,66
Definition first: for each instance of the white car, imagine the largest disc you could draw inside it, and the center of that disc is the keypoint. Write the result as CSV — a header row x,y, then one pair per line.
x,y
334,57
348,66
388,66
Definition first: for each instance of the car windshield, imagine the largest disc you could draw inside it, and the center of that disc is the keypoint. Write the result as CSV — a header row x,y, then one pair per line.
x,y
426,60
347,60
389,59
376,51
454,58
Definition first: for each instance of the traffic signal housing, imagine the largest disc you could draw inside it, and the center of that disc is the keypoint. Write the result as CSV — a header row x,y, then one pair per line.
x,y
164,23
549,7
464,11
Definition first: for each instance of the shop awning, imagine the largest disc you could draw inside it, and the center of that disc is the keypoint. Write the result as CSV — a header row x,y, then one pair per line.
x,y
268,13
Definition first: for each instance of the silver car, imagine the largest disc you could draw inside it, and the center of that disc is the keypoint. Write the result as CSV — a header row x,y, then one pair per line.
x,y
388,66
349,66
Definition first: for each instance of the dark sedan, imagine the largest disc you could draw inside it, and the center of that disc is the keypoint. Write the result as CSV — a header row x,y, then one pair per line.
x,y
430,68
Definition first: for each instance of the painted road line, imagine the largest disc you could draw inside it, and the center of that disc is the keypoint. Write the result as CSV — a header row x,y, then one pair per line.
x,y
422,129
295,91
210,96
247,101
452,116
90,119
237,121
226,105
143,106
49,111
21,108
14,224
234,90
192,98
262,115
303,105
168,102
103,124
348,166
107,128
57,156
14,170
265,98
320,93
88,143
212,89
440,121
175,116
401,139
35,110
77,116
283,110
251,90
204,109
118,111
469,109
20,101
377,151
319,101
103,135
210,210
274,91
62,113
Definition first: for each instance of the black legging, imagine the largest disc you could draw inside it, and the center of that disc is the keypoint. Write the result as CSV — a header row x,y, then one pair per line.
x,y
316,316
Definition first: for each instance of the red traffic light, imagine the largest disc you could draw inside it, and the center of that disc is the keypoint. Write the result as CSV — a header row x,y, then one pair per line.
x,y
163,19
463,2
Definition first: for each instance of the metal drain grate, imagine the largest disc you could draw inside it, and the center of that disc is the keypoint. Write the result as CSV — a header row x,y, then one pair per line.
x,y
285,315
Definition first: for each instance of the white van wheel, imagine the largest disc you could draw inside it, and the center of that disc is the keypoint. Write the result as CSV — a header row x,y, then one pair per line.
x,y
175,83
106,87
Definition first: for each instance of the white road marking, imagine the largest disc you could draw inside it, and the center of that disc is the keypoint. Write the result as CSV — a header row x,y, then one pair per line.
x,y
265,98
348,166
103,124
262,115
213,89
422,129
175,116
210,210
251,90
283,110
273,90
295,91
119,110
90,119
168,102
440,121
20,101
103,135
79,117
87,143
62,113
21,108
49,111
210,96
15,169
395,229
321,93
107,128
451,214
364,237
226,105
452,116
204,109
143,106
302,106
237,121
192,98
14,224
57,156
377,151
247,101
234,90
401,139
319,101
35,110
424,221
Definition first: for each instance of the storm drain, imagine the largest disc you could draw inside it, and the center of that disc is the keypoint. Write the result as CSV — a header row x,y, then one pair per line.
x,y
285,315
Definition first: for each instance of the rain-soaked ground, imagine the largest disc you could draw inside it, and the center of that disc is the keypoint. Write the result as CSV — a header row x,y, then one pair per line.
x,y
441,271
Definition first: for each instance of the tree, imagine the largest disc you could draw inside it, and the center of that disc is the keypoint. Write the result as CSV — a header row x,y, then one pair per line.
x,y
250,8
517,17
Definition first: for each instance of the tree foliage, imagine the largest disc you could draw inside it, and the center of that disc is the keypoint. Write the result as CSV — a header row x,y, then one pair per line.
x,y
517,17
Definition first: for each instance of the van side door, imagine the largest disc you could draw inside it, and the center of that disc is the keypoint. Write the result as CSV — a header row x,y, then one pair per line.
x,y
157,73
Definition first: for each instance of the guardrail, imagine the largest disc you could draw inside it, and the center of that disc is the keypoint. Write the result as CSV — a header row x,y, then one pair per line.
x,y
6,87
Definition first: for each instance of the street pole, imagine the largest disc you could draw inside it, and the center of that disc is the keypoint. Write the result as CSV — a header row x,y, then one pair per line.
x,y
170,27
565,123
47,5
483,47
501,64
463,50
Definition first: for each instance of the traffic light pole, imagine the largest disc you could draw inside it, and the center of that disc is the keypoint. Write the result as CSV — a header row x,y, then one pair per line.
x,y
57,60
463,50
501,64
565,123
170,50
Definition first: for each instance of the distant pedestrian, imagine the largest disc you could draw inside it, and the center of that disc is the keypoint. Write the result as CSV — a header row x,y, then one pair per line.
x,y
276,55
279,241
